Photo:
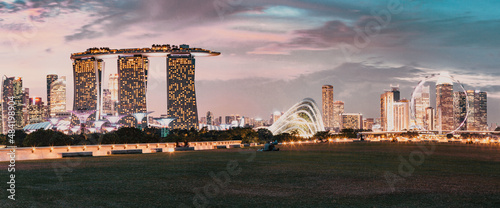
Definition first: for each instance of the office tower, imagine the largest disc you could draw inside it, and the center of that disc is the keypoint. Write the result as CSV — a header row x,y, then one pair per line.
x,y
387,111
352,121
477,118
229,119
132,87
36,111
395,92
107,103
459,110
444,104
181,102
422,102
57,97
87,85
482,111
402,115
338,110
210,117
368,123
327,97
50,79
13,88
429,119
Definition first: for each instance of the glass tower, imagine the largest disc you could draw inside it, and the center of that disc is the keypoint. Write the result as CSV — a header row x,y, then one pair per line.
x,y
327,98
87,82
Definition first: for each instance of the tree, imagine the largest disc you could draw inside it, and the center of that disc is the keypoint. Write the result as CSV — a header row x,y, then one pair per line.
x,y
3,139
321,135
43,137
265,135
129,135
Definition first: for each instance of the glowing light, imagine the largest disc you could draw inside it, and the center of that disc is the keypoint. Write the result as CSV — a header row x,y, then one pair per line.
x,y
303,118
170,150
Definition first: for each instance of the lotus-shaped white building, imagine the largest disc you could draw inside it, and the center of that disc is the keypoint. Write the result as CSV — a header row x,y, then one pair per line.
x,y
304,118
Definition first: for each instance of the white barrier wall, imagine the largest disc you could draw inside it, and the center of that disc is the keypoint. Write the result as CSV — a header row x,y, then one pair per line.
x,y
38,153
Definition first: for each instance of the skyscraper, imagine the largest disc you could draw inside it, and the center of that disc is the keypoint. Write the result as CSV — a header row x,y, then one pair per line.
x,y
402,115
58,96
50,78
13,87
113,86
327,97
132,87
429,119
422,102
210,118
444,104
387,111
181,102
459,110
477,118
338,110
87,82
395,92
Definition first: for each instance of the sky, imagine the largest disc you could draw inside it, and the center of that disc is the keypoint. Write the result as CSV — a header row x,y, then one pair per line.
x,y
274,52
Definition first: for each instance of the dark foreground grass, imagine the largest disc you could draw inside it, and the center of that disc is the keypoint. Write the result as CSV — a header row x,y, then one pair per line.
x,y
315,175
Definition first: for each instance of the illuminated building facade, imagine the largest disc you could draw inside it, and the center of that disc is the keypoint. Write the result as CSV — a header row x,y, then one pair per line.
x,y
477,119
459,110
402,115
352,121
444,105
132,87
50,79
57,96
387,111
422,102
87,75
327,98
113,86
368,123
430,122
338,110
13,87
181,96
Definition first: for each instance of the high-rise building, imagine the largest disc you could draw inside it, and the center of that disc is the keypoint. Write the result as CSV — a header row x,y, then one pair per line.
x,y
422,102
368,123
395,92
477,117
57,96
429,119
37,111
338,110
107,103
352,121
12,87
87,82
482,111
387,111
50,79
132,87
275,116
402,115
327,98
459,110
444,104
181,102
210,118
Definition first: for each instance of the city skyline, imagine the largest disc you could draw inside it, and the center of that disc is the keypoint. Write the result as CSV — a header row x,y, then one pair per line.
x,y
294,58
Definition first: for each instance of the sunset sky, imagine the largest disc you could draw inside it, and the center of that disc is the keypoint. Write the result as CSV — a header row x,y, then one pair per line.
x,y
274,52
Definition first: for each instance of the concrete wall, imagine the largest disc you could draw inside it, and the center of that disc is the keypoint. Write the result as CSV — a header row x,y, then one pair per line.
x,y
38,153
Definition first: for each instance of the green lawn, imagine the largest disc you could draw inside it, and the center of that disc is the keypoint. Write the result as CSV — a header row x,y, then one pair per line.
x,y
313,175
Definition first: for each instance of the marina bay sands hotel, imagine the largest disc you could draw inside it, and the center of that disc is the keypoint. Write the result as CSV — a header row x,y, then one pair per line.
x,y
133,67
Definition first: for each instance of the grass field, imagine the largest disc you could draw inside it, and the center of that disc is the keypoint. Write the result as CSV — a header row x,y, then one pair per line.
x,y
313,175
